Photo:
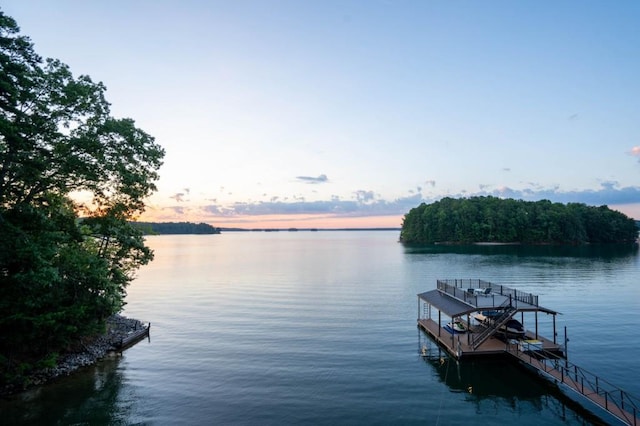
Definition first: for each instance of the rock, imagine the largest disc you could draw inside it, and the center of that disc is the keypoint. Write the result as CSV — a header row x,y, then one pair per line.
x,y
118,328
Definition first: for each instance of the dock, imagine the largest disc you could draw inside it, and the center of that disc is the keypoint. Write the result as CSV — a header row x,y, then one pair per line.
x,y
134,337
461,300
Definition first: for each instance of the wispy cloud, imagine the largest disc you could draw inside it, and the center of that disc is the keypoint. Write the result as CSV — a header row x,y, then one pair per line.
x,y
607,194
364,205
177,210
313,180
635,151
367,203
364,196
179,196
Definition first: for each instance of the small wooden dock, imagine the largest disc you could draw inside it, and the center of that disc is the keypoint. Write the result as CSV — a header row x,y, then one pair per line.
x,y
459,299
134,337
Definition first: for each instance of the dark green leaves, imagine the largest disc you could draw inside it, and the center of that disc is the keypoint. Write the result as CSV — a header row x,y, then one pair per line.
x,y
491,219
61,275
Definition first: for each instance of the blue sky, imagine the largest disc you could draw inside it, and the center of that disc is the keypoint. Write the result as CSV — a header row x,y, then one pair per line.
x,y
350,113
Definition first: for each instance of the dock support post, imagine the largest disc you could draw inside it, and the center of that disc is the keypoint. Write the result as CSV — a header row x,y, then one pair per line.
x,y
566,346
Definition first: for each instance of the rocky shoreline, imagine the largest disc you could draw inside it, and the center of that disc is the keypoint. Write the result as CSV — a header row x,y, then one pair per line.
x,y
119,328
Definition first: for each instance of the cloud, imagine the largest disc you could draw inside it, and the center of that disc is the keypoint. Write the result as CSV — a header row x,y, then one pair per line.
x,y
431,183
364,205
367,203
609,193
364,196
313,180
635,152
176,210
179,196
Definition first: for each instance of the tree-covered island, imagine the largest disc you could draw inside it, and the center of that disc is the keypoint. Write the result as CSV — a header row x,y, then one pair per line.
x,y
496,220
62,277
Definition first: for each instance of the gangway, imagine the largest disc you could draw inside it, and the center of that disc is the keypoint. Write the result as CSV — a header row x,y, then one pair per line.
x,y
617,402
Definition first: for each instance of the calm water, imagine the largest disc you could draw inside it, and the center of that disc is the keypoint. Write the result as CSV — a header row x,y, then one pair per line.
x,y
320,328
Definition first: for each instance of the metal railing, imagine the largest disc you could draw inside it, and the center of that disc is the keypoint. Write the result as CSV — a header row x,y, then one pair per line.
x,y
458,288
586,383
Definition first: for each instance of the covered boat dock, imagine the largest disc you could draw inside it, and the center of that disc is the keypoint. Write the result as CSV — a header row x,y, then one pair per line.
x,y
461,299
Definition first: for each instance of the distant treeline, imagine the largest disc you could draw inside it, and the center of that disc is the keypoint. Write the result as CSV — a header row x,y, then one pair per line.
x,y
159,228
491,219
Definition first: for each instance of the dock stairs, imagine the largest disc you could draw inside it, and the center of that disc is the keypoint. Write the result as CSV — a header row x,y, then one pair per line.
x,y
490,329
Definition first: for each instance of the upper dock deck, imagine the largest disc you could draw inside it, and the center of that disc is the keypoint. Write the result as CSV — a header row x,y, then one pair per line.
x,y
465,296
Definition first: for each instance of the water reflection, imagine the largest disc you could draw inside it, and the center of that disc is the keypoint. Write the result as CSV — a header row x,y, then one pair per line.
x,y
606,251
90,396
502,383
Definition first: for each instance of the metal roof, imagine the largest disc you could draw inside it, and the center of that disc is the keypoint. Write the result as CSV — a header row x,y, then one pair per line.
x,y
446,304
454,307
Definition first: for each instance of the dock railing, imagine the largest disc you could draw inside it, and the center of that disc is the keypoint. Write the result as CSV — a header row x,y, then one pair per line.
x,y
613,399
459,288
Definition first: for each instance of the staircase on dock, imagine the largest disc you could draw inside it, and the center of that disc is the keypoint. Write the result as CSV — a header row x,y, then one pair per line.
x,y
495,324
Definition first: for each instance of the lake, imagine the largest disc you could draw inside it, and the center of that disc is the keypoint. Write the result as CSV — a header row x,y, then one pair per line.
x,y
271,328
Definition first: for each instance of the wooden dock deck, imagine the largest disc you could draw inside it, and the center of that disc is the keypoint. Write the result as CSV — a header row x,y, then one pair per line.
x,y
134,337
460,346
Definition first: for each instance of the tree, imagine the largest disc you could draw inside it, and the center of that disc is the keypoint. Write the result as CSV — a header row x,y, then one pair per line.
x,y
489,219
64,266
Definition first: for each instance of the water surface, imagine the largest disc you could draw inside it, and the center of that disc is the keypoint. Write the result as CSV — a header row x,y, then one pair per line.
x,y
320,328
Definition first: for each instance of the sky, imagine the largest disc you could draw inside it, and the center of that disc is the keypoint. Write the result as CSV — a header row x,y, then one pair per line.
x,y
326,114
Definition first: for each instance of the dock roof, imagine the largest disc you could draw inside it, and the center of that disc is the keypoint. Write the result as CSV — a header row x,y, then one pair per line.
x,y
455,307
450,306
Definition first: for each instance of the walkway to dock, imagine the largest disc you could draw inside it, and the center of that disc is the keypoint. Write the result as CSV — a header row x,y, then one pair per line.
x,y
603,394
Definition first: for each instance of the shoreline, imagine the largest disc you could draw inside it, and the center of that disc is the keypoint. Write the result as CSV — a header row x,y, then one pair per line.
x,y
119,328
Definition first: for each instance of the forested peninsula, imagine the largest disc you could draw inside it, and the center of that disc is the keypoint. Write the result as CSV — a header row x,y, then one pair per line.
x,y
497,220
175,228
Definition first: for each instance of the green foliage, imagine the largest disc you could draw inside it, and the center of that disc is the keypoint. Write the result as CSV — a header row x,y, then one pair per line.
x,y
175,228
491,219
60,276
